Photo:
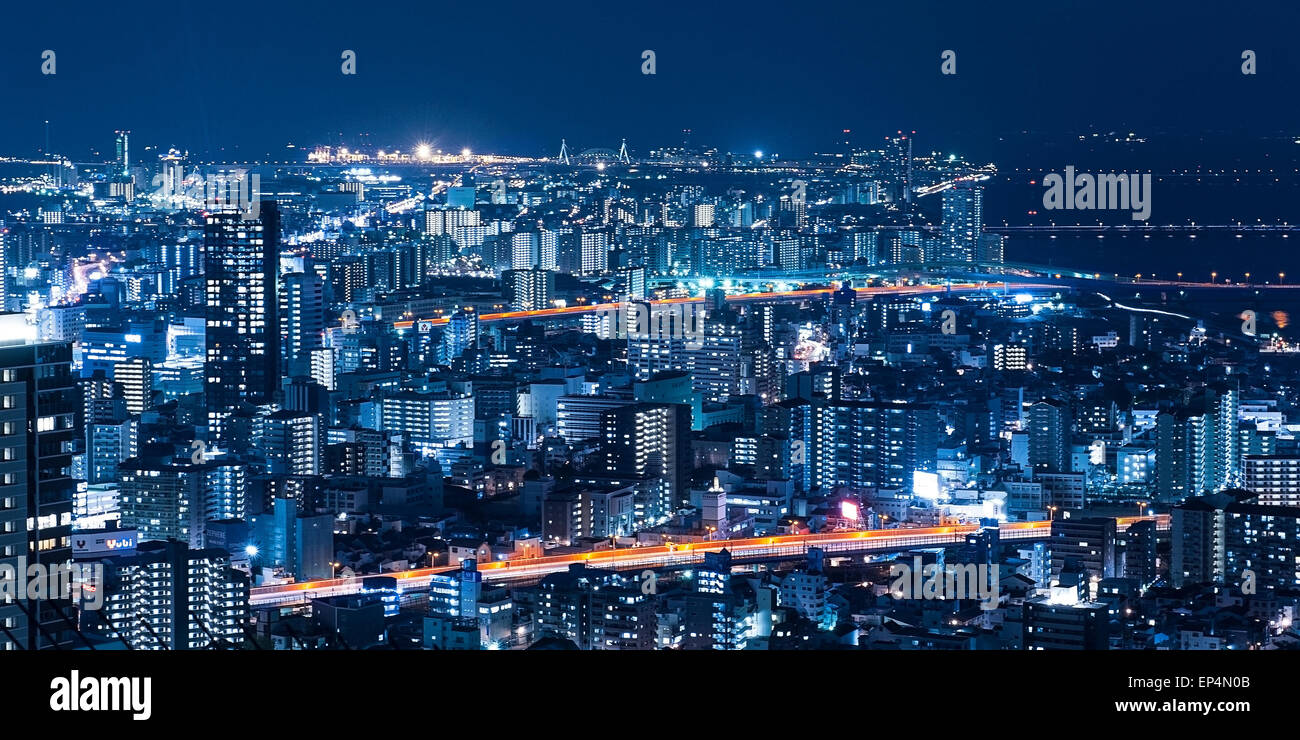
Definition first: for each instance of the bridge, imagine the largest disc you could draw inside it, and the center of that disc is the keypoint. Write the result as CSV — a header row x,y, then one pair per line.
x,y
752,549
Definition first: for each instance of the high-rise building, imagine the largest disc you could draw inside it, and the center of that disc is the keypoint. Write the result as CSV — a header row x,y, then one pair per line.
x,y
173,497
460,334
528,289
430,420
991,249
1049,426
1198,535
161,501
1275,479
109,445
39,405
243,331
122,155
650,440
702,217
302,545
593,248
1139,552
1085,543
720,613
291,441
529,250
167,596
1262,546
859,443
963,222
578,418
714,360
1196,446
4,271
136,377
304,320
596,610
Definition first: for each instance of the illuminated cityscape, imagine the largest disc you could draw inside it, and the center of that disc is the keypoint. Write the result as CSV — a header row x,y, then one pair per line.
x,y
616,348
688,400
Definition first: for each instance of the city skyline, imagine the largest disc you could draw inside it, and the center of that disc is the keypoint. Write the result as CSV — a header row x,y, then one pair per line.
x,y
687,329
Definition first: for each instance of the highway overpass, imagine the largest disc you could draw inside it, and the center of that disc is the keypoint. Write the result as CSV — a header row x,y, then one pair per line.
x,y
780,295
780,547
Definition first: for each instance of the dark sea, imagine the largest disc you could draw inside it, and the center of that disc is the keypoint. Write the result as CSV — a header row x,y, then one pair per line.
x,y
1220,179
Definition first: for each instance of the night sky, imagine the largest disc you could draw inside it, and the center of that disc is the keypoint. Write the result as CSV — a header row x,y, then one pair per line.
x,y
516,77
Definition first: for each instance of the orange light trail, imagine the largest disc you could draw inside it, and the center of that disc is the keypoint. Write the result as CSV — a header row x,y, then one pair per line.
x,y
810,292
639,555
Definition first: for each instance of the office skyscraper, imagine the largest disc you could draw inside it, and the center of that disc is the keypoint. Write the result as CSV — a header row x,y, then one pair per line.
x,y
243,332
122,155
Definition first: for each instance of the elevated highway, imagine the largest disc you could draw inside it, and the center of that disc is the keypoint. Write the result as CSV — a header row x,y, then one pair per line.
x,y
780,547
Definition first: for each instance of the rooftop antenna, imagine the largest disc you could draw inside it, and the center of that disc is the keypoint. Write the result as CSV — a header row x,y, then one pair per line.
x,y
564,151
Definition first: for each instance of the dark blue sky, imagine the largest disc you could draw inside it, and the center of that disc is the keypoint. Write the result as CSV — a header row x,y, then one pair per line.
x,y
514,76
